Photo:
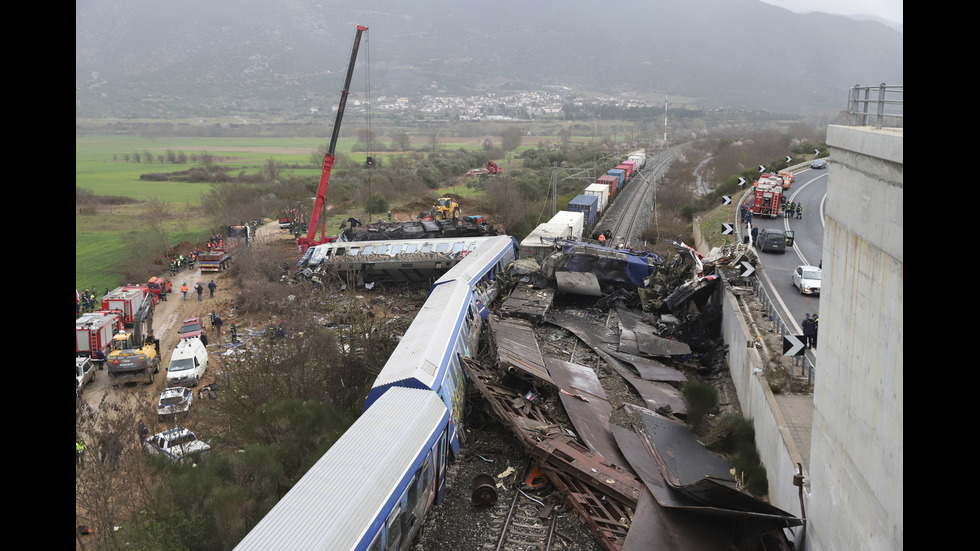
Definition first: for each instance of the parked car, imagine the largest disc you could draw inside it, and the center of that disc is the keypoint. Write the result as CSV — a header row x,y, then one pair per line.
x,y
84,373
174,401
807,279
818,164
771,240
194,327
477,171
179,444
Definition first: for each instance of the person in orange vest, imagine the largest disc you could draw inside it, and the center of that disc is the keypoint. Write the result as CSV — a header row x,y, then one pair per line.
x,y
183,289
602,239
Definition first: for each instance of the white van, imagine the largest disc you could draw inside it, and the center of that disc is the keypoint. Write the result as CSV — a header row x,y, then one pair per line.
x,y
188,363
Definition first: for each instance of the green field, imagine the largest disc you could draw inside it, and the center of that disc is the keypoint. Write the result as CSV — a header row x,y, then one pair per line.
x,y
105,237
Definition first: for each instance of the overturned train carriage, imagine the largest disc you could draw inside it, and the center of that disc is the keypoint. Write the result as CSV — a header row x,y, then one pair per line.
x,y
373,487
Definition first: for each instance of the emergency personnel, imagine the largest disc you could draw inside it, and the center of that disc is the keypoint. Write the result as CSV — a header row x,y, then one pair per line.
x,y
787,210
602,239
799,211
216,324
79,452
809,331
755,235
234,333
183,289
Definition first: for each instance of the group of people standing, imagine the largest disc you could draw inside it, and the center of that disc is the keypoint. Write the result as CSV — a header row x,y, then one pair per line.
x,y
792,208
810,326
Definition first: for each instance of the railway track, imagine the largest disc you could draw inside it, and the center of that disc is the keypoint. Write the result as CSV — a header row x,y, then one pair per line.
x,y
522,523
631,215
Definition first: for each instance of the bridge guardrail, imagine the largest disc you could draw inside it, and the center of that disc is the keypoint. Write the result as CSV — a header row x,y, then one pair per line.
x,y
870,102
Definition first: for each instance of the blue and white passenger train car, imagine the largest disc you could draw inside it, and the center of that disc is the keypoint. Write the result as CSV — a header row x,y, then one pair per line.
x,y
447,327
373,487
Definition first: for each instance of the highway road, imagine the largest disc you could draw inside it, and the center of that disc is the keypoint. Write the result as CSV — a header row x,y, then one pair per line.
x,y
810,187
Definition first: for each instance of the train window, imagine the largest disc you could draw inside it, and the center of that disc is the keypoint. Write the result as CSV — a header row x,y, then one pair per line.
x,y
442,247
427,247
368,249
458,246
382,249
395,249
339,251
376,544
353,251
472,245
411,248
395,528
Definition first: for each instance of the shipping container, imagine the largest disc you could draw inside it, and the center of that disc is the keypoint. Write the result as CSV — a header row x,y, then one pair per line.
x,y
627,169
588,205
620,174
574,220
540,242
611,181
602,192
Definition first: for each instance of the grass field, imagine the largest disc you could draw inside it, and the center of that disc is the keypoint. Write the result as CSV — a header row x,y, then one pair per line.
x,y
107,236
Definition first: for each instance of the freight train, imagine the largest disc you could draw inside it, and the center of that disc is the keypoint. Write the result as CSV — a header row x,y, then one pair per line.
x,y
374,486
591,204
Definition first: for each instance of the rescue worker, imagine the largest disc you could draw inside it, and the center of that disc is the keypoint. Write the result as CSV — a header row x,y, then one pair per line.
x,y
602,239
183,289
816,328
216,324
79,452
211,287
787,210
755,235
200,291
799,211
234,333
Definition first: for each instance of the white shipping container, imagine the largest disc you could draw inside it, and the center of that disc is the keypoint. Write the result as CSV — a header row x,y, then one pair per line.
x,y
602,192
574,220
534,247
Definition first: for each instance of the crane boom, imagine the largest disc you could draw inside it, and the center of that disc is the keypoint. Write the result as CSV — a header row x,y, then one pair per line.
x,y
321,192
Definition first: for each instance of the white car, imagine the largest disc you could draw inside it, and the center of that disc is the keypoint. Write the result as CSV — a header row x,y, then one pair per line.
x,y
174,401
807,279
178,444
84,373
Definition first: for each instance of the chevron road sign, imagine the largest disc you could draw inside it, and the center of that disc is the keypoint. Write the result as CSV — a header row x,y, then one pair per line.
x,y
726,199
727,229
792,345
749,269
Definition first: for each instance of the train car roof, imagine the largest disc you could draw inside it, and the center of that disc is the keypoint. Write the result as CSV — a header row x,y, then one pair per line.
x,y
342,501
485,253
421,358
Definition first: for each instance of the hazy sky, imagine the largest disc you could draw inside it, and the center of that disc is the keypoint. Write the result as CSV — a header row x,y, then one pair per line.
x,y
891,10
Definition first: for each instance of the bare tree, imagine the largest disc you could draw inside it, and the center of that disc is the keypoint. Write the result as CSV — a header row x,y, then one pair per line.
x,y
110,482
487,142
402,141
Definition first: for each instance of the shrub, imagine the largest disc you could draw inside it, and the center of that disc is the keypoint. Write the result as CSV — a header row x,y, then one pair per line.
x,y
701,399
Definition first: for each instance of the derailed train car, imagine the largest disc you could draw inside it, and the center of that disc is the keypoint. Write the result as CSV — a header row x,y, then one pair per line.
x,y
374,486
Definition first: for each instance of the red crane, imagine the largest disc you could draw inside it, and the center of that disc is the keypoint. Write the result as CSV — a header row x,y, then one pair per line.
x,y
305,243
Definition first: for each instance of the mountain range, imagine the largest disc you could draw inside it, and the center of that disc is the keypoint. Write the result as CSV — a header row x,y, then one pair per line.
x,y
151,59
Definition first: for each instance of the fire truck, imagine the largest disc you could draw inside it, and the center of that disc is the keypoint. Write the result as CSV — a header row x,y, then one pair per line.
x,y
768,197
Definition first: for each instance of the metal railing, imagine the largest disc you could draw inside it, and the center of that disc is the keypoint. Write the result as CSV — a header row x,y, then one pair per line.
x,y
802,361
863,105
